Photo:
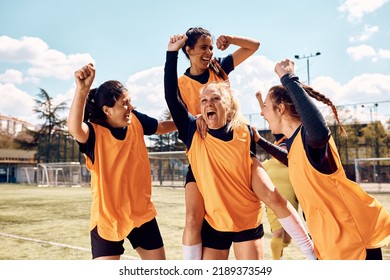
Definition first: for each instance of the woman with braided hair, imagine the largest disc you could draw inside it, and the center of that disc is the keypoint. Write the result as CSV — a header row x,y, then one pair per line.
x,y
344,221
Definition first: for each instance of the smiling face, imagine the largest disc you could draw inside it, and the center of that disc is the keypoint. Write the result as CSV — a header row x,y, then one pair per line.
x,y
200,55
213,106
119,114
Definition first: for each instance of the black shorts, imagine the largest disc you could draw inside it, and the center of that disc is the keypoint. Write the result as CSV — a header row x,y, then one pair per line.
x,y
147,236
222,240
374,254
190,176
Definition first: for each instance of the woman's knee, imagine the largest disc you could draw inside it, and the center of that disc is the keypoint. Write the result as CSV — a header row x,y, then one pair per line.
x,y
194,219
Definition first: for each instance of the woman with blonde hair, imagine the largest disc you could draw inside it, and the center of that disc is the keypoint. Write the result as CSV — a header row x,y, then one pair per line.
x,y
204,69
222,166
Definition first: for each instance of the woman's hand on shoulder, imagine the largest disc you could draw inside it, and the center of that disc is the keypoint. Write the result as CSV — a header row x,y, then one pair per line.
x,y
176,42
256,134
201,126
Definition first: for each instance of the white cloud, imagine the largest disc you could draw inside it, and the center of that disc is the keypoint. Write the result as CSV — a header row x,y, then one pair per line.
x,y
16,103
20,104
367,33
369,89
384,53
369,86
11,76
362,51
365,51
255,74
43,61
331,89
362,89
356,9
146,89
17,51
56,64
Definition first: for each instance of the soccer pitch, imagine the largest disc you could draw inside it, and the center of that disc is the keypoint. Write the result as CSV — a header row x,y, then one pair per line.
x,y
39,223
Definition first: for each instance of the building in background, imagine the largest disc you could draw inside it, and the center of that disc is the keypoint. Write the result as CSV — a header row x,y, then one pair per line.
x,y
12,126
12,164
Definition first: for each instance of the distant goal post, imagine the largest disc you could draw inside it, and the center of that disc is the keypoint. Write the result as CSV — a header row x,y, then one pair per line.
x,y
168,168
373,174
66,174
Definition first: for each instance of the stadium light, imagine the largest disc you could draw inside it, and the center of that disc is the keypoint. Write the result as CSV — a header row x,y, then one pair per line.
x,y
307,59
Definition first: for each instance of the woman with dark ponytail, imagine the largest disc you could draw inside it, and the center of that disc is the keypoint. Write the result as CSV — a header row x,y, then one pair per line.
x,y
204,69
344,221
110,133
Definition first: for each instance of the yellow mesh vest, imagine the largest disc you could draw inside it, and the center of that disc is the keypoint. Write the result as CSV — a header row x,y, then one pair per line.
x,y
120,182
342,218
278,173
223,174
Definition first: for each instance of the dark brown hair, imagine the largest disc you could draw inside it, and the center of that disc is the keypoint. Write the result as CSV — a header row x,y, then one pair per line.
x,y
105,95
279,94
193,34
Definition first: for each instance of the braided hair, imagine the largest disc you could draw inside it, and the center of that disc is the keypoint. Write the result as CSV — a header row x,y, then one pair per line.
x,y
322,98
279,94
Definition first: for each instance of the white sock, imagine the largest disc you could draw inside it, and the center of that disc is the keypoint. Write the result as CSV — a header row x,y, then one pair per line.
x,y
294,227
192,252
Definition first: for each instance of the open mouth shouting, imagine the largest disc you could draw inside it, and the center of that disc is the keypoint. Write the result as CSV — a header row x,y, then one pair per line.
x,y
211,115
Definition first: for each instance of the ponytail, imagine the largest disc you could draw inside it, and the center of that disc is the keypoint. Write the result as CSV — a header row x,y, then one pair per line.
x,y
216,67
322,98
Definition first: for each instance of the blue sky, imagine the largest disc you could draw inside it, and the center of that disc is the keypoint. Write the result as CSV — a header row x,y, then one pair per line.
x,y
43,42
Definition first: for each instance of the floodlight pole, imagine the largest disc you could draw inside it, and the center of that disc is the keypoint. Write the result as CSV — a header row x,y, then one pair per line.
x,y
376,144
307,60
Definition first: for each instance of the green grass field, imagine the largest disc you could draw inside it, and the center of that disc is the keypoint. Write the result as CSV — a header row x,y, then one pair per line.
x,y
52,223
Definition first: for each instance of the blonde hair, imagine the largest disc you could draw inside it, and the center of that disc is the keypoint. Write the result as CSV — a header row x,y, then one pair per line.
x,y
234,116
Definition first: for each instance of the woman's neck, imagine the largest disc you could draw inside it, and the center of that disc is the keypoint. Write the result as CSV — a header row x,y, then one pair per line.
x,y
290,127
195,71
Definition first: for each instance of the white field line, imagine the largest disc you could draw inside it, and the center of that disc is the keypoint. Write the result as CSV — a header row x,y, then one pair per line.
x,y
56,244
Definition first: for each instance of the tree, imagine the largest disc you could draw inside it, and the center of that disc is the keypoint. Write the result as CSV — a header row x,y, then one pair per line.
x,y
6,142
47,111
387,138
52,129
27,140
